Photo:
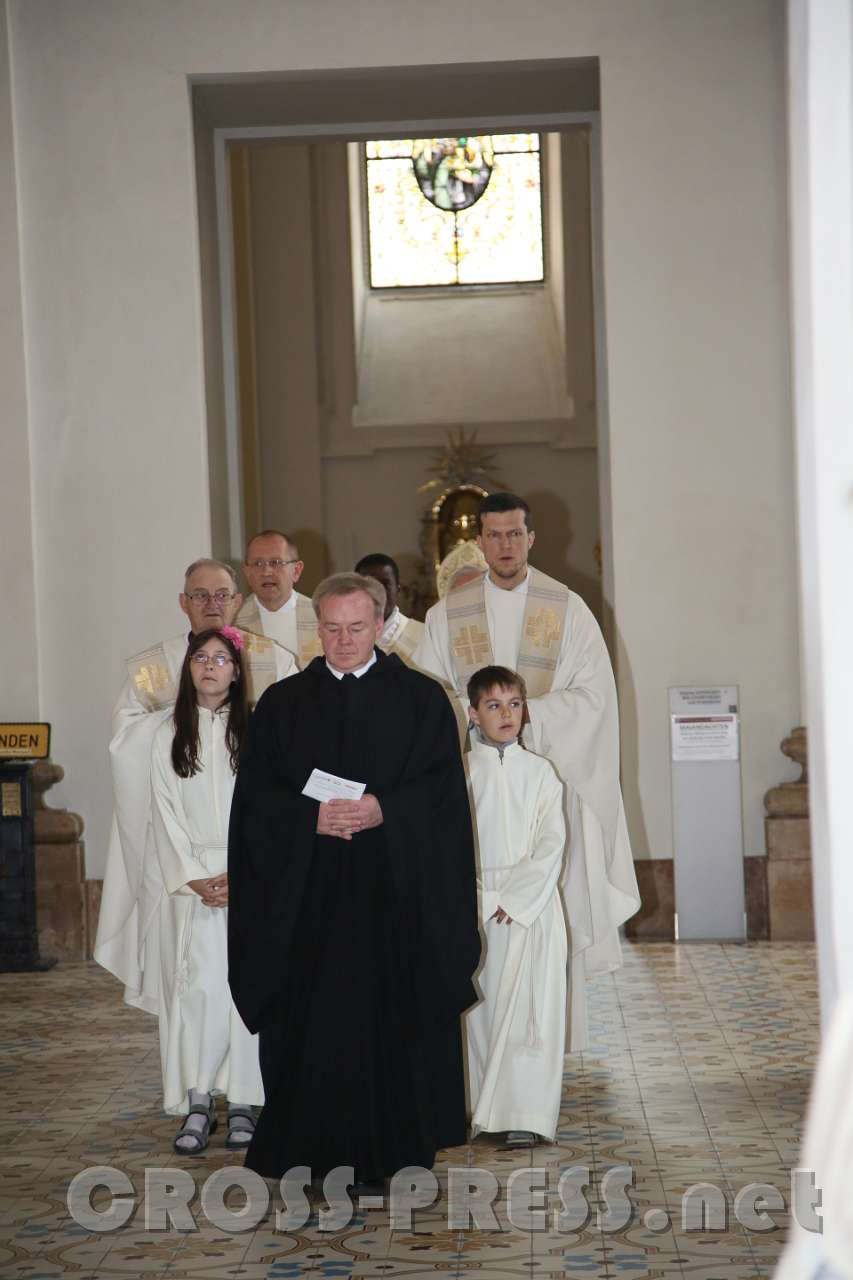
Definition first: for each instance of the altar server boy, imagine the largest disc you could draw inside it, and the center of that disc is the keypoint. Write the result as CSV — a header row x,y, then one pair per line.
x,y
516,1035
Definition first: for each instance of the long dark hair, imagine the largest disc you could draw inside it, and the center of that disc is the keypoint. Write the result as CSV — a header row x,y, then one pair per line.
x,y
185,716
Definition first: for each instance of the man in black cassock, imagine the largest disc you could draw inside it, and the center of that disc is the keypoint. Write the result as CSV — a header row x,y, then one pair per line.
x,y
353,930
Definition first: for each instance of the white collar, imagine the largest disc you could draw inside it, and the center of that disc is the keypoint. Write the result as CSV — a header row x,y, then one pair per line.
x,y
520,590
339,675
479,743
290,603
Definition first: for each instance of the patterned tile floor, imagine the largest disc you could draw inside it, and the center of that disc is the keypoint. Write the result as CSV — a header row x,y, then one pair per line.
x,y
698,1071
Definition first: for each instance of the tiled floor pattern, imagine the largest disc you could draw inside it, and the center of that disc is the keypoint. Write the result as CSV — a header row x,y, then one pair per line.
x,y
698,1071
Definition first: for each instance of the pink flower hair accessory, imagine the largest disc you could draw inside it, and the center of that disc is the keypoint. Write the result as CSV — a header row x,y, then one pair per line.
x,y
235,636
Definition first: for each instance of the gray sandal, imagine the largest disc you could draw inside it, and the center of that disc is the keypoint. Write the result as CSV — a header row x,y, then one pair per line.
x,y
201,1136
241,1127
518,1139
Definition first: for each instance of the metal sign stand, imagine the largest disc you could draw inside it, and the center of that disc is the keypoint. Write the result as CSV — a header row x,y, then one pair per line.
x,y
707,817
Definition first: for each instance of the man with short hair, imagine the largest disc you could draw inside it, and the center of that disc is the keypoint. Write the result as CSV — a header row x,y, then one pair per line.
x,y
516,616
132,883
400,635
353,921
275,608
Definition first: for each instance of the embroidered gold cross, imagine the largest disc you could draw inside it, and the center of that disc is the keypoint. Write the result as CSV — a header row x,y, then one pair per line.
x,y
152,678
154,685
542,628
471,645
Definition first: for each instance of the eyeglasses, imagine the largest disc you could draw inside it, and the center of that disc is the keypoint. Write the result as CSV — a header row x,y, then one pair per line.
x,y
218,659
204,597
270,564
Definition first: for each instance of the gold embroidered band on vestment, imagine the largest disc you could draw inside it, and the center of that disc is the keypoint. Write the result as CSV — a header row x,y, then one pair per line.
x,y
545,610
249,617
258,664
307,639
307,635
151,678
405,642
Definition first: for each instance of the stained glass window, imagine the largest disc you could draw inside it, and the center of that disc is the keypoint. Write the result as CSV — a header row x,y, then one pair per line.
x,y
450,211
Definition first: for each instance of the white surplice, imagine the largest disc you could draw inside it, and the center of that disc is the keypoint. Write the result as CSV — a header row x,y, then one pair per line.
x,y
575,726
127,943
517,1033
203,1041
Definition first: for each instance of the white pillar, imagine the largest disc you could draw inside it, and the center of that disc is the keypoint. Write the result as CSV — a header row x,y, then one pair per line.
x,y
820,73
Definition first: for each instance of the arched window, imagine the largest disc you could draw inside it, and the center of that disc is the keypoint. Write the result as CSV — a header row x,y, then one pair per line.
x,y
454,211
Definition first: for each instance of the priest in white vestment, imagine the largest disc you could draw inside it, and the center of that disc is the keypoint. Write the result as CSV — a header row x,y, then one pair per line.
x,y
517,1033
517,617
275,608
126,942
400,635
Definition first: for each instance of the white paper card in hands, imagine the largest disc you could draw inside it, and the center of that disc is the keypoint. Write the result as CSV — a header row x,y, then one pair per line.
x,y
327,786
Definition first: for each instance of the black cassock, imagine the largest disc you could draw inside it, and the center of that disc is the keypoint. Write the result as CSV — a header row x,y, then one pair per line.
x,y
354,959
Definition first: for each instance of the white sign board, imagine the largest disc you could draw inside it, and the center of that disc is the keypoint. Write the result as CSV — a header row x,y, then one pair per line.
x,y
704,700
705,737
707,824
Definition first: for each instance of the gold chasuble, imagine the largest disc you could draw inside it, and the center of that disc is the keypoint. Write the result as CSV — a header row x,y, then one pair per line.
x,y
156,687
545,611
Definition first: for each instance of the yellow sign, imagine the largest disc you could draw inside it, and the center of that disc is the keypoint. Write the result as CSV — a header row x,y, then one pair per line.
x,y
24,741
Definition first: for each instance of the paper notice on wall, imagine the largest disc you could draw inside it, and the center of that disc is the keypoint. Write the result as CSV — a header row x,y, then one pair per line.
x,y
705,738
703,700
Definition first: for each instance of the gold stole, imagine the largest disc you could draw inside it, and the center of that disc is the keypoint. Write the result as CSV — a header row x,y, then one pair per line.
x,y
307,635
258,664
249,617
307,638
545,612
151,678
157,689
405,642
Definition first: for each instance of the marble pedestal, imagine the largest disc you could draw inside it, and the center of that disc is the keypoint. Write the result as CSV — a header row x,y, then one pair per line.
x,y
789,863
63,915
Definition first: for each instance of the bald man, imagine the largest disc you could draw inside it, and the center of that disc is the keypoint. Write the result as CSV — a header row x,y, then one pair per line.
x,y
272,567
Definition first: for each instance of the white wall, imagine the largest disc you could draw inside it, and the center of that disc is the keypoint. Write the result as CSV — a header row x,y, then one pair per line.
x,y
19,687
695,259
695,262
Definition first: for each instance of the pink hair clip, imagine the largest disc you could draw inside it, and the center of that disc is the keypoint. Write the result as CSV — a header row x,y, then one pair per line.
x,y
235,636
